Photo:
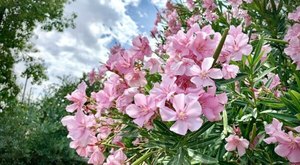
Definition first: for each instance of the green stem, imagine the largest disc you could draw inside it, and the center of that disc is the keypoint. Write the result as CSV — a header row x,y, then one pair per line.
x,y
276,40
141,159
219,48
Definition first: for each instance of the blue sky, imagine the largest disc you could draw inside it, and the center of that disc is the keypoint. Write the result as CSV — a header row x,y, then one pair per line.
x,y
99,25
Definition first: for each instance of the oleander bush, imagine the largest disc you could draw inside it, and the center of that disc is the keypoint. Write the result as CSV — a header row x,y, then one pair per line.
x,y
221,86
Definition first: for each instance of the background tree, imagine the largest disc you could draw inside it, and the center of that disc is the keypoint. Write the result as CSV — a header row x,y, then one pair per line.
x,y
18,19
32,133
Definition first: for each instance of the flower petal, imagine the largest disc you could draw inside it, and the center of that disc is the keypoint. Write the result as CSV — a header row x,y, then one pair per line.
x,y
167,114
215,73
178,102
194,109
140,99
179,127
132,110
241,150
282,150
194,123
207,63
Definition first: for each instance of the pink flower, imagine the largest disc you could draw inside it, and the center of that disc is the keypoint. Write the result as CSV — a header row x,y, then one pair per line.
x,y
126,99
295,16
117,158
235,3
142,109
79,128
194,19
275,80
120,60
288,144
124,63
136,142
186,86
117,140
140,47
272,129
209,4
210,16
97,157
204,43
105,97
104,132
181,67
190,4
205,73
237,43
136,78
293,50
293,31
162,92
187,114
212,105
266,49
154,65
176,44
289,147
229,71
234,142
92,77
78,97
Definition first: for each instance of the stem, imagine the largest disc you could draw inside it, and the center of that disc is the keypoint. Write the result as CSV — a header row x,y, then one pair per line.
x,y
277,40
141,159
23,96
219,48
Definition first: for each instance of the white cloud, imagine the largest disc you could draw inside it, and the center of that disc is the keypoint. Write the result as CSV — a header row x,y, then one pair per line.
x,y
78,50
159,3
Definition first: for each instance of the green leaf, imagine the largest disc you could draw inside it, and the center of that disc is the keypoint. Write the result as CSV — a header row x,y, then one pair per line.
x,y
237,78
179,159
219,48
204,127
257,52
204,159
285,117
142,159
263,74
203,142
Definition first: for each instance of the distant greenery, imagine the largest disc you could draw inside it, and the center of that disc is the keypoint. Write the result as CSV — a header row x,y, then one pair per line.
x,y
33,134
18,19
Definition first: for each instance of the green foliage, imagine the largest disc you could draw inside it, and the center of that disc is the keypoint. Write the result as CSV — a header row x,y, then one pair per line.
x,y
18,19
252,104
33,134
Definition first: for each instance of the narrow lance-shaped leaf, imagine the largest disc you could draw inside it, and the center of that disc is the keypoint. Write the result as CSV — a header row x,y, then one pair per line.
x,y
220,46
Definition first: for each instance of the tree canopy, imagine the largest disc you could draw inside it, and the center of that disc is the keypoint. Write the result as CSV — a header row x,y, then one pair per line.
x,y
18,19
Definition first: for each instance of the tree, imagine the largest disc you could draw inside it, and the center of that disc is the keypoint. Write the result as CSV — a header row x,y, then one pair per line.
x,y
32,133
18,19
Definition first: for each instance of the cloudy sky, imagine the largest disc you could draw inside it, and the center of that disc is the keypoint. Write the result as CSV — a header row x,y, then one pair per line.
x,y
99,25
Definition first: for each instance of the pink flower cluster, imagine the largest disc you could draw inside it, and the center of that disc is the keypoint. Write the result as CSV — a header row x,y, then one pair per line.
x,y
92,124
293,38
235,142
288,144
186,95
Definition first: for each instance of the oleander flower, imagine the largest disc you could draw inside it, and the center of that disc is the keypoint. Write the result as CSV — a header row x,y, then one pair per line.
x,y
236,143
79,128
142,110
140,47
229,71
205,74
237,43
78,97
117,158
187,114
